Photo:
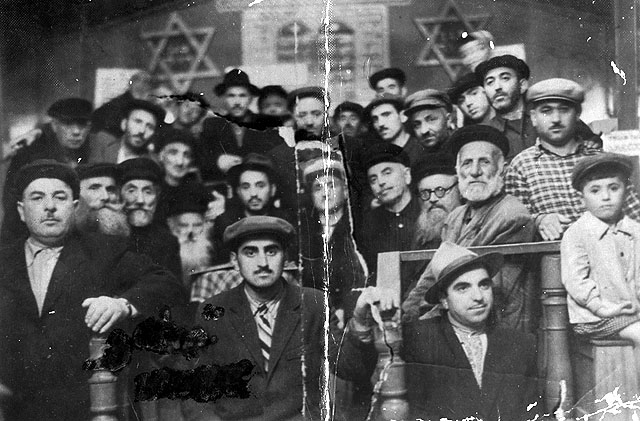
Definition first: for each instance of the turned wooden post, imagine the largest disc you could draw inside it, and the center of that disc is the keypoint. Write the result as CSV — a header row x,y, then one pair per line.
x,y
102,385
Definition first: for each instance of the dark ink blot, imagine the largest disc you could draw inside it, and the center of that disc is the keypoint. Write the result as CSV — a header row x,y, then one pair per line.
x,y
206,383
117,354
212,313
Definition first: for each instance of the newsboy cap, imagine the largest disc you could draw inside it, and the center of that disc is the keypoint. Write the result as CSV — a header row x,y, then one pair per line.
x,y
167,135
98,169
388,73
305,92
451,260
462,84
396,101
140,169
71,109
427,98
46,168
140,104
385,152
253,226
556,88
605,161
434,163
477,133
348,106
507,60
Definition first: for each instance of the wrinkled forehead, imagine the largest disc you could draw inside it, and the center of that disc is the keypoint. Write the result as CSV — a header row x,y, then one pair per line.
x,y
478,149
139,184
382,166
498,71
436,180
46,186
308,104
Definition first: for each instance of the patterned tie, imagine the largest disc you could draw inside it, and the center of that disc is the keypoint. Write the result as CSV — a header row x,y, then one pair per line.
x,y
264,333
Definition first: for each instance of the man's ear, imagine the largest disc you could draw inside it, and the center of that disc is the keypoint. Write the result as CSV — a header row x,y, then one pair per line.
x,y
21,210
123,124
403,91
273,190
444,303
524,85
403,117
407,175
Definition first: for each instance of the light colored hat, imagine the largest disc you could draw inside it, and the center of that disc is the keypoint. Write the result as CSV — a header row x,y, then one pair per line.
x,y
320,167
556,88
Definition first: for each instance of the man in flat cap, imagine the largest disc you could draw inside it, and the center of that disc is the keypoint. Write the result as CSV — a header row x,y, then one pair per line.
x,y
488,217
274,325
469,95
348,117
139,121
429,115
65,286
63,139
139,182
458,365
540,176
389,226
389,81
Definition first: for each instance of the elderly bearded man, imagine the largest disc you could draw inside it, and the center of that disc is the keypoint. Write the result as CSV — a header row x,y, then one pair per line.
x,y
489,217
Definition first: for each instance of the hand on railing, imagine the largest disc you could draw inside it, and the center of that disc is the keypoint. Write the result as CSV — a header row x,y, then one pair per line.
x,y
372,302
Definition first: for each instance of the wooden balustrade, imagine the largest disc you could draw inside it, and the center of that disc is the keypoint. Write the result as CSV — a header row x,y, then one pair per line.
x,y
103,385
554,361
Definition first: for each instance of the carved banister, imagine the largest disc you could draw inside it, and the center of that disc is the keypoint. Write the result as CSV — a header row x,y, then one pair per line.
x,y
103,389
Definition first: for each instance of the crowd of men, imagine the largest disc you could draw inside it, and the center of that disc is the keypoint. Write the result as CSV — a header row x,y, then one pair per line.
x,y
111,214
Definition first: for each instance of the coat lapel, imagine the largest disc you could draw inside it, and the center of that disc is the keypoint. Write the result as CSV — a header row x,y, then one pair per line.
x,y
69,268
17,281
289,316
468,383
493,372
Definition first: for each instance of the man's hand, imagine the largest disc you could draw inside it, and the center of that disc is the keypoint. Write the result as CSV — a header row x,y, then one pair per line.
x,y
552,225
226,161
371,302
610,309
216,207
104,312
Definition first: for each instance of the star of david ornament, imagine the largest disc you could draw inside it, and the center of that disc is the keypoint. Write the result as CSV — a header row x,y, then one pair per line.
x,y
180,53
441,34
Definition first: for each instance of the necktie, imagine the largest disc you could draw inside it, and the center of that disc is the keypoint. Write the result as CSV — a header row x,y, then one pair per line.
x,y
264,333
473,348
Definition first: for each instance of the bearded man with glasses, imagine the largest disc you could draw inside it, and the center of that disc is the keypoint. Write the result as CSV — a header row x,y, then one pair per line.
x,y
489,216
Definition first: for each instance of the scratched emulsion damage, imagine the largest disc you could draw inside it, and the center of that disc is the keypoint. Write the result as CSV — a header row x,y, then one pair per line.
x,y
619,72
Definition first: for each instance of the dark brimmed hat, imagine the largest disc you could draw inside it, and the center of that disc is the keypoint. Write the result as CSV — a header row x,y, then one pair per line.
x,y
396,101
305,92
168,135
348,106
385,152
556,88
99,169
252,162
603,161
71,109
46,168
434,163
506,60
388,73
477,133
272,90
236,77
427,98
140,104
460,86
191,198
140,169
452,260
253,226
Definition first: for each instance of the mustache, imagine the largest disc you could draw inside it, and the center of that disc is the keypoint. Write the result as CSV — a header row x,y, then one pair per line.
x,y
265,271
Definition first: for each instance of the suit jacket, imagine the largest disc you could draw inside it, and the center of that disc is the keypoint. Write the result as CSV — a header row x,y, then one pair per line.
x,y
277,394
43,355
439,378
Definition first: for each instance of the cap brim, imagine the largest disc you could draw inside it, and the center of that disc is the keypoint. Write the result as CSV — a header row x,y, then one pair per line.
x,y
554,98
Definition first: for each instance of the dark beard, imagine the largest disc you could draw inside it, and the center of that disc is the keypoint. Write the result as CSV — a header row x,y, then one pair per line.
x,y
106,220
428,229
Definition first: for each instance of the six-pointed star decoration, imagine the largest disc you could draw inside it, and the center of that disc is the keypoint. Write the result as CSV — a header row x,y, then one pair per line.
x,y
180,53
441,33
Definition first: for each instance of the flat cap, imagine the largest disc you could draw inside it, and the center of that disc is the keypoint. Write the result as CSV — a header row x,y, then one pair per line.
x,y
396,101
140,169
464,83
98,169
388,73
319,167
506,60
348,106
140,104
556,88
434,163
191,198
385,152
477,133
427,98
272,90
305,92
46,168
252,162
71,109
253,226
168,135
606,162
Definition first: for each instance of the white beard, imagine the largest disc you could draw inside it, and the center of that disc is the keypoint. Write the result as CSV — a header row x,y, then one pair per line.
x,y
195,255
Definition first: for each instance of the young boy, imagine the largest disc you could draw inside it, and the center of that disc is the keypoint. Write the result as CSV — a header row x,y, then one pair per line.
x,y
599,264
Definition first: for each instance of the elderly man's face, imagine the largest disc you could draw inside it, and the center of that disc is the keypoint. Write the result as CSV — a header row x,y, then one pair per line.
x,y
47,207
474,103
555,121
469,298
237,100
97,192
329,194
349,123
140,200
176,158
389,181
71,134
441,184
480,166
389,86
309,115
387,121
430,125
187,226
138,129
504,88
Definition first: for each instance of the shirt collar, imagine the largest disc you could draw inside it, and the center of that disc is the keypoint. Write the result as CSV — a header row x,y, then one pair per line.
x,y
581,149
254,304
33,247
600,228
457,327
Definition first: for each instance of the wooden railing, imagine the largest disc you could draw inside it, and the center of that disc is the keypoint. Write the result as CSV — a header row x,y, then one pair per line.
x,y
553,354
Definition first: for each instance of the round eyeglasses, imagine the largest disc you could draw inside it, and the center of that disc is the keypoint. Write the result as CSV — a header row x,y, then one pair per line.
x,y
438,191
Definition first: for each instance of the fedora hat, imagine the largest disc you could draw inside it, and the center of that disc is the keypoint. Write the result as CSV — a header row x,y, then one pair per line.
x,y
236,77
